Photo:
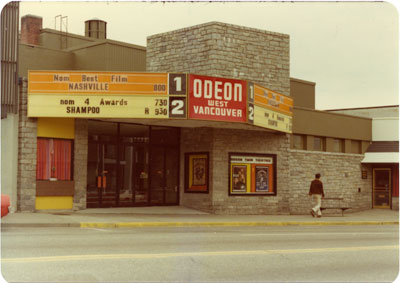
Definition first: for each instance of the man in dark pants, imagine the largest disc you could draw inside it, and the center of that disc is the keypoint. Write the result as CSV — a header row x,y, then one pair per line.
x,y
317,192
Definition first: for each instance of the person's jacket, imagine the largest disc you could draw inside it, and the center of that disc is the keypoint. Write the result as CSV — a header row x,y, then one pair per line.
x,y
316,188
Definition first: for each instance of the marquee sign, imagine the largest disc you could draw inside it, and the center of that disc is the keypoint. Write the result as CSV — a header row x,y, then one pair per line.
x,y
269,109
80,94
106,95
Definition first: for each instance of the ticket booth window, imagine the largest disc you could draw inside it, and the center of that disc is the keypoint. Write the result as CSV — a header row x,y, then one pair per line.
x,y
54,159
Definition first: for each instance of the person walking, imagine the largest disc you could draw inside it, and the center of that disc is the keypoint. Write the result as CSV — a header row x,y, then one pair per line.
x,y
317,192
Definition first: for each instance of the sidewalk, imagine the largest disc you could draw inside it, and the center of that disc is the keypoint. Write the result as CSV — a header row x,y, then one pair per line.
x,y
178,216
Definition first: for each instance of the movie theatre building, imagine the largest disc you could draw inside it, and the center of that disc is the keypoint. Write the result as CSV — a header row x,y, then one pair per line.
x,y
205,117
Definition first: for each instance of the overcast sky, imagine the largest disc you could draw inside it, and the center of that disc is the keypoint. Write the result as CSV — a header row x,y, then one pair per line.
x,y
349,49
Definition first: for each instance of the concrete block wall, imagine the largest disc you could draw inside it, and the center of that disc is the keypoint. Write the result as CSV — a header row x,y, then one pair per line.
x,y
224,50
27,147
340,173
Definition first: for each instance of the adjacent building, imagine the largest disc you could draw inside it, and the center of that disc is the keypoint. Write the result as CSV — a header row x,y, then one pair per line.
x,y
206,117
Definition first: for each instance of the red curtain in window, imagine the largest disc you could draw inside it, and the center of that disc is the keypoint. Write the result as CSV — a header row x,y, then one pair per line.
x,y
62,159
43,159
53,159
395,181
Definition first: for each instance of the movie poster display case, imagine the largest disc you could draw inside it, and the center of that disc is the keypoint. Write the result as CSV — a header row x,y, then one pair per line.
x,y
252,174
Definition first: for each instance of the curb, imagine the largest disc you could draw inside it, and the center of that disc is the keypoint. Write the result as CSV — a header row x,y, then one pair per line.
x,y
228,224
195,224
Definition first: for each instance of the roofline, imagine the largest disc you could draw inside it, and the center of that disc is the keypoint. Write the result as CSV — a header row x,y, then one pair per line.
x,y
332,113
303,81
92,41
360,108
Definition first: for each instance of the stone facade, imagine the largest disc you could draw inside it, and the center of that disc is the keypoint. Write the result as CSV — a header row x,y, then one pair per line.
x,y
219,143
340,173
395,203
224,50
196,140
27,145
27,148
80,163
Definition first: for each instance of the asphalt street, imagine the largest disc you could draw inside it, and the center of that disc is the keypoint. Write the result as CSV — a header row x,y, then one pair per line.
x,y
200,254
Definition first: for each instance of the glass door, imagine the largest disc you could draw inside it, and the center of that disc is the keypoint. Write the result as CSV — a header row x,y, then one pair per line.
x,y
126,169
102,175
134,164
164,175
381,187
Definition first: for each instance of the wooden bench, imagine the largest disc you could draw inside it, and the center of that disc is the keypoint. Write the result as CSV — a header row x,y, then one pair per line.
x,y
334,203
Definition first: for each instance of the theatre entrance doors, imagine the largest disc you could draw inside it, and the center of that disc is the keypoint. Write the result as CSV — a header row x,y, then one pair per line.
x,y
132,165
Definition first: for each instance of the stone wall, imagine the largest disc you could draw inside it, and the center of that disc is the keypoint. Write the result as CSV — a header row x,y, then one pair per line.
x,y
340,174
224,50
219,143
27,145
196,140
241,141
80,163
395,203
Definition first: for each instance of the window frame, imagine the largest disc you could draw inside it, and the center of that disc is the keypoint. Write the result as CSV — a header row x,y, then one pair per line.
x,y
322,143
51,162
301,138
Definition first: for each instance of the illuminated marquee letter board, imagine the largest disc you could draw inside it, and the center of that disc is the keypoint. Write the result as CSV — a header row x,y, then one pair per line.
x,y
79,94
75,94
252,174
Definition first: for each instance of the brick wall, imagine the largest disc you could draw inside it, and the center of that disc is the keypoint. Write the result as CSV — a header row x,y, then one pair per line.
x,y
340,173
30,29
218,49
27,144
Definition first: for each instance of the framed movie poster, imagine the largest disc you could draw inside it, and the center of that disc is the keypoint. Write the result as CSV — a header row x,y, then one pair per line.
x,y
252,174
196,172
239,178
261,178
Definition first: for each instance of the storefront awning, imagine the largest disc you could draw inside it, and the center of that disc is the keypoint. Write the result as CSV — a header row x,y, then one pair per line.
x,y
381,157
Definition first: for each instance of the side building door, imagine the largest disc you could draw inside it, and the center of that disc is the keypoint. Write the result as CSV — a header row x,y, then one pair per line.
x,y
382,190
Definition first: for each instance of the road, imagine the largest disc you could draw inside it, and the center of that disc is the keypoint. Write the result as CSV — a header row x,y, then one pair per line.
x,y
291,253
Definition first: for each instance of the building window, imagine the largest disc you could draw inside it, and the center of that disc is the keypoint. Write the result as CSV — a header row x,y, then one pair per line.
x,y
319,144
298,142
53,159
356,147
338,145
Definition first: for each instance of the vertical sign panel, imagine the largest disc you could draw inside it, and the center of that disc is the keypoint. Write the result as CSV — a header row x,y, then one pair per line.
x,y
177,90
218,99
271,110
